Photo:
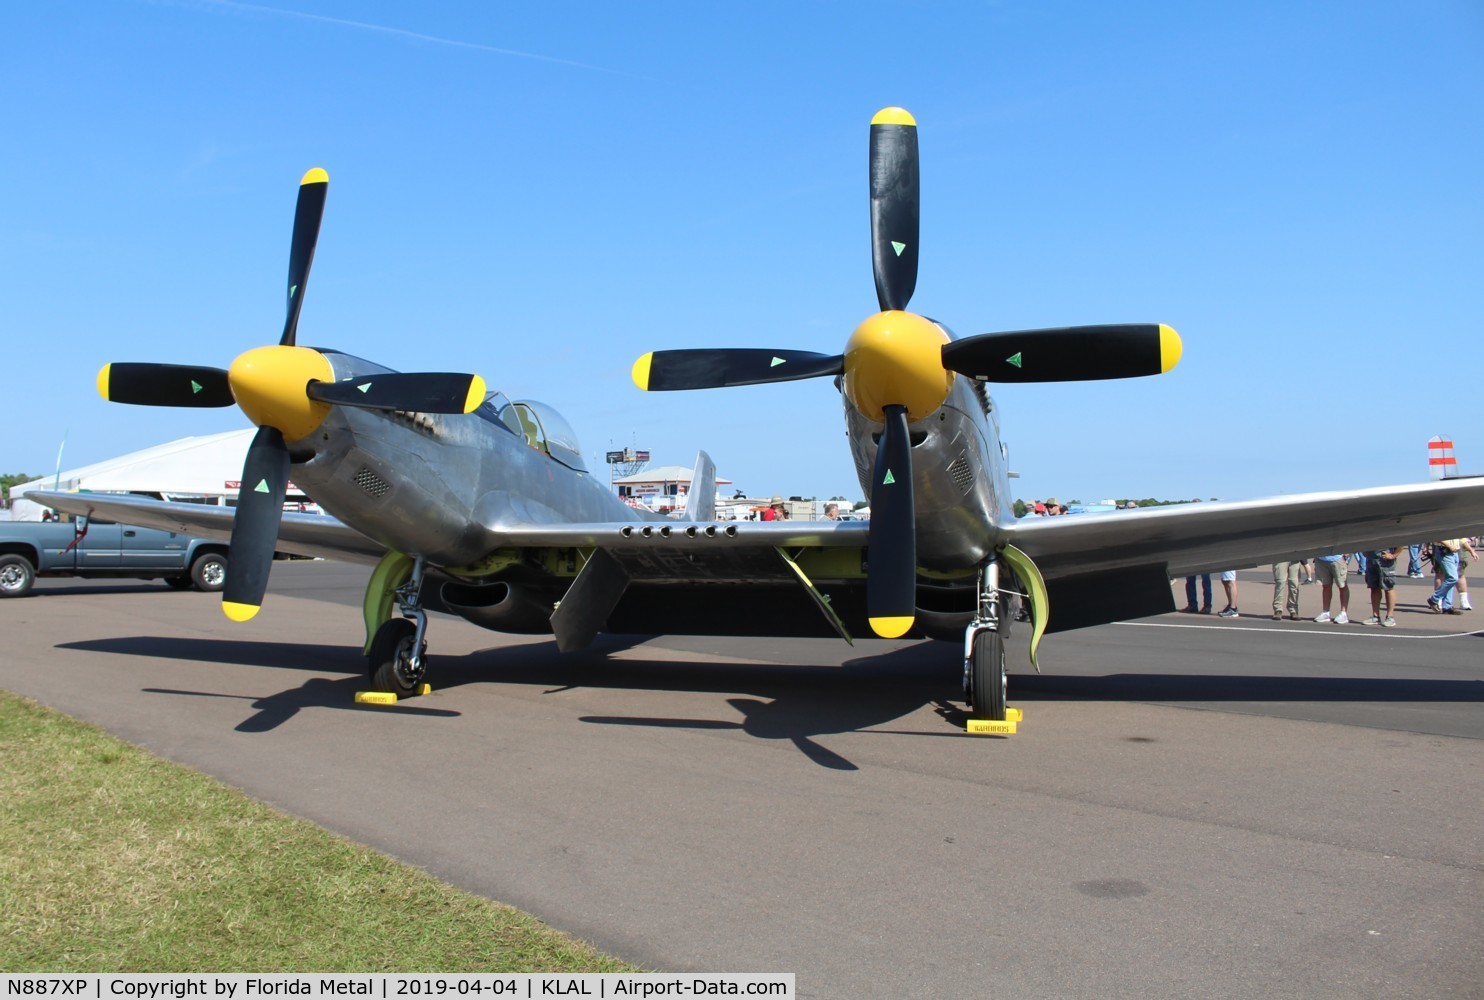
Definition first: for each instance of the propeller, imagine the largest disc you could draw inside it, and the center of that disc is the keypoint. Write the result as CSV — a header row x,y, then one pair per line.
x,y
895,195
1066,354
664,371
287,391
164,385
418,392
899,367
891,579
265,478
309,210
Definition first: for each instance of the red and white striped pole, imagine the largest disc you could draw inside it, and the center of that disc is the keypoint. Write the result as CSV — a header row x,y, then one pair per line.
x,y
1440,460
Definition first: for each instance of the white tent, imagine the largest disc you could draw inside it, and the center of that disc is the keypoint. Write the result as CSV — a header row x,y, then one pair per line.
x,y
206,469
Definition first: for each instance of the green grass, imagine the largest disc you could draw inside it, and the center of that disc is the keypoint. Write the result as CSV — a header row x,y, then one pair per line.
x,y
112,860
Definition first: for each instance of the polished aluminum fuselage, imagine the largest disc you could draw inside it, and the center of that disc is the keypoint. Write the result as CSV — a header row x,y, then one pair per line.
x,y
445,486
440,485
961,486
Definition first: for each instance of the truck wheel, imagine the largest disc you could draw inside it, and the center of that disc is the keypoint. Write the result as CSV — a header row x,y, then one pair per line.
x,y
16,575
209,572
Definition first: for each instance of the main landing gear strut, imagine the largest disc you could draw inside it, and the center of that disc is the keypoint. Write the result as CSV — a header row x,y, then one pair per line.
x,y
397,658
984,649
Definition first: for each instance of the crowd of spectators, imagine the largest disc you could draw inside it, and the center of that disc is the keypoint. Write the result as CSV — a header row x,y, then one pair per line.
x,y
1450,559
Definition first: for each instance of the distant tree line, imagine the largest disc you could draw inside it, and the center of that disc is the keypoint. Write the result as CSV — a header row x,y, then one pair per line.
x,y
9,479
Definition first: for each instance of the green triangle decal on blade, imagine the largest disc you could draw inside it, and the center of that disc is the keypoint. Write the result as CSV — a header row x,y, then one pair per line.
x,y
898,247
364,388
292,290
776,362
889,479
1014,359
195,386
262,487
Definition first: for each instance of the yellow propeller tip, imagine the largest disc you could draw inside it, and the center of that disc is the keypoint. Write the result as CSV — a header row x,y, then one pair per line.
x,y
477,392
891,628
893,116
1170,348
640,371
103,380
239,612
315,175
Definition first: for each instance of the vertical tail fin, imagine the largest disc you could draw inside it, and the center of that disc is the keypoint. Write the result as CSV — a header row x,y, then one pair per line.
x,y
700,502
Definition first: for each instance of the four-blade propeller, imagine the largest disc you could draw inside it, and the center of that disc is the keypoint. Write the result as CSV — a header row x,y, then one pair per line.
x,y
899,367
287,391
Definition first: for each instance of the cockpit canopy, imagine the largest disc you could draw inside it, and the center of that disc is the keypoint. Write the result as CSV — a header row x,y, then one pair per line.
x,y
542,427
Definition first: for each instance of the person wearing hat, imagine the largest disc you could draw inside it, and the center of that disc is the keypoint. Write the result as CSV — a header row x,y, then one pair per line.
x,y
774,511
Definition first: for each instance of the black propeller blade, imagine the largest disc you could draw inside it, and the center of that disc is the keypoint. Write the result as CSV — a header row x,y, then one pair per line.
x,y
664,371
891,581
265,479
415,392
307,215
895,196
164,385
1066,354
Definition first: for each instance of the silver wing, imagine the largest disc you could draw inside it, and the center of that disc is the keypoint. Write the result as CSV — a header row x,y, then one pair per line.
x,y
1100,568
1221,535
300,534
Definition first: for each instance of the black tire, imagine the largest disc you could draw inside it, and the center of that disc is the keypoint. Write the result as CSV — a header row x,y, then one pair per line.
x,y
16,575
385,664
178,582
987,677
209,572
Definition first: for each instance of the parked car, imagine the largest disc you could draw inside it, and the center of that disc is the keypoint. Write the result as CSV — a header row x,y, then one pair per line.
x,y
90,547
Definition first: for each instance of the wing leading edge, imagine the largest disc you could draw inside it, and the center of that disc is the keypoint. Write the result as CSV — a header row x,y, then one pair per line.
x,y
1223,535
301,534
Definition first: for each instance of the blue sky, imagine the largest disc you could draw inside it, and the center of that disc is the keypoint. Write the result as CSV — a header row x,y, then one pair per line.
x,y
540,193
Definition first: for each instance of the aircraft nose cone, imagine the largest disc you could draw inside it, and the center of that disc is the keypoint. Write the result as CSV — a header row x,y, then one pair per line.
x,y
895,358
269,382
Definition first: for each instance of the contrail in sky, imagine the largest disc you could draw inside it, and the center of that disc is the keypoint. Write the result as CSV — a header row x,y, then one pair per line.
x,y
414,35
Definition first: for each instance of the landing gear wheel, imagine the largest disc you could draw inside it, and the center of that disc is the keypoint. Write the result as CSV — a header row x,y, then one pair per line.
x,y
390,662
987,676
209,572
16,575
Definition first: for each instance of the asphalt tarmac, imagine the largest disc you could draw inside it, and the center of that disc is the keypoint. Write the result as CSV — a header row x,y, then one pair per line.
x,y
1193,806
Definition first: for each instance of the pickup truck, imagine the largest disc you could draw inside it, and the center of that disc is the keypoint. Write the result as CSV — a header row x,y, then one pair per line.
x,y
91,547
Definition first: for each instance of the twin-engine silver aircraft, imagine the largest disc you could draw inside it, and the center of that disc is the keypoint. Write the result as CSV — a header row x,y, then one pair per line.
x,y
487,501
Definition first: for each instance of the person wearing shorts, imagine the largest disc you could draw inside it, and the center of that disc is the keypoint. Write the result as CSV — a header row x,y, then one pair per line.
x,y
1330,571
1380,577
1229,584
1466,556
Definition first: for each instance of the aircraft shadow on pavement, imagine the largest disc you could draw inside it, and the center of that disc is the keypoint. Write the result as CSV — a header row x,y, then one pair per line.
x,y
776,701
1237,688
317,692
272,710
292,655
789,702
